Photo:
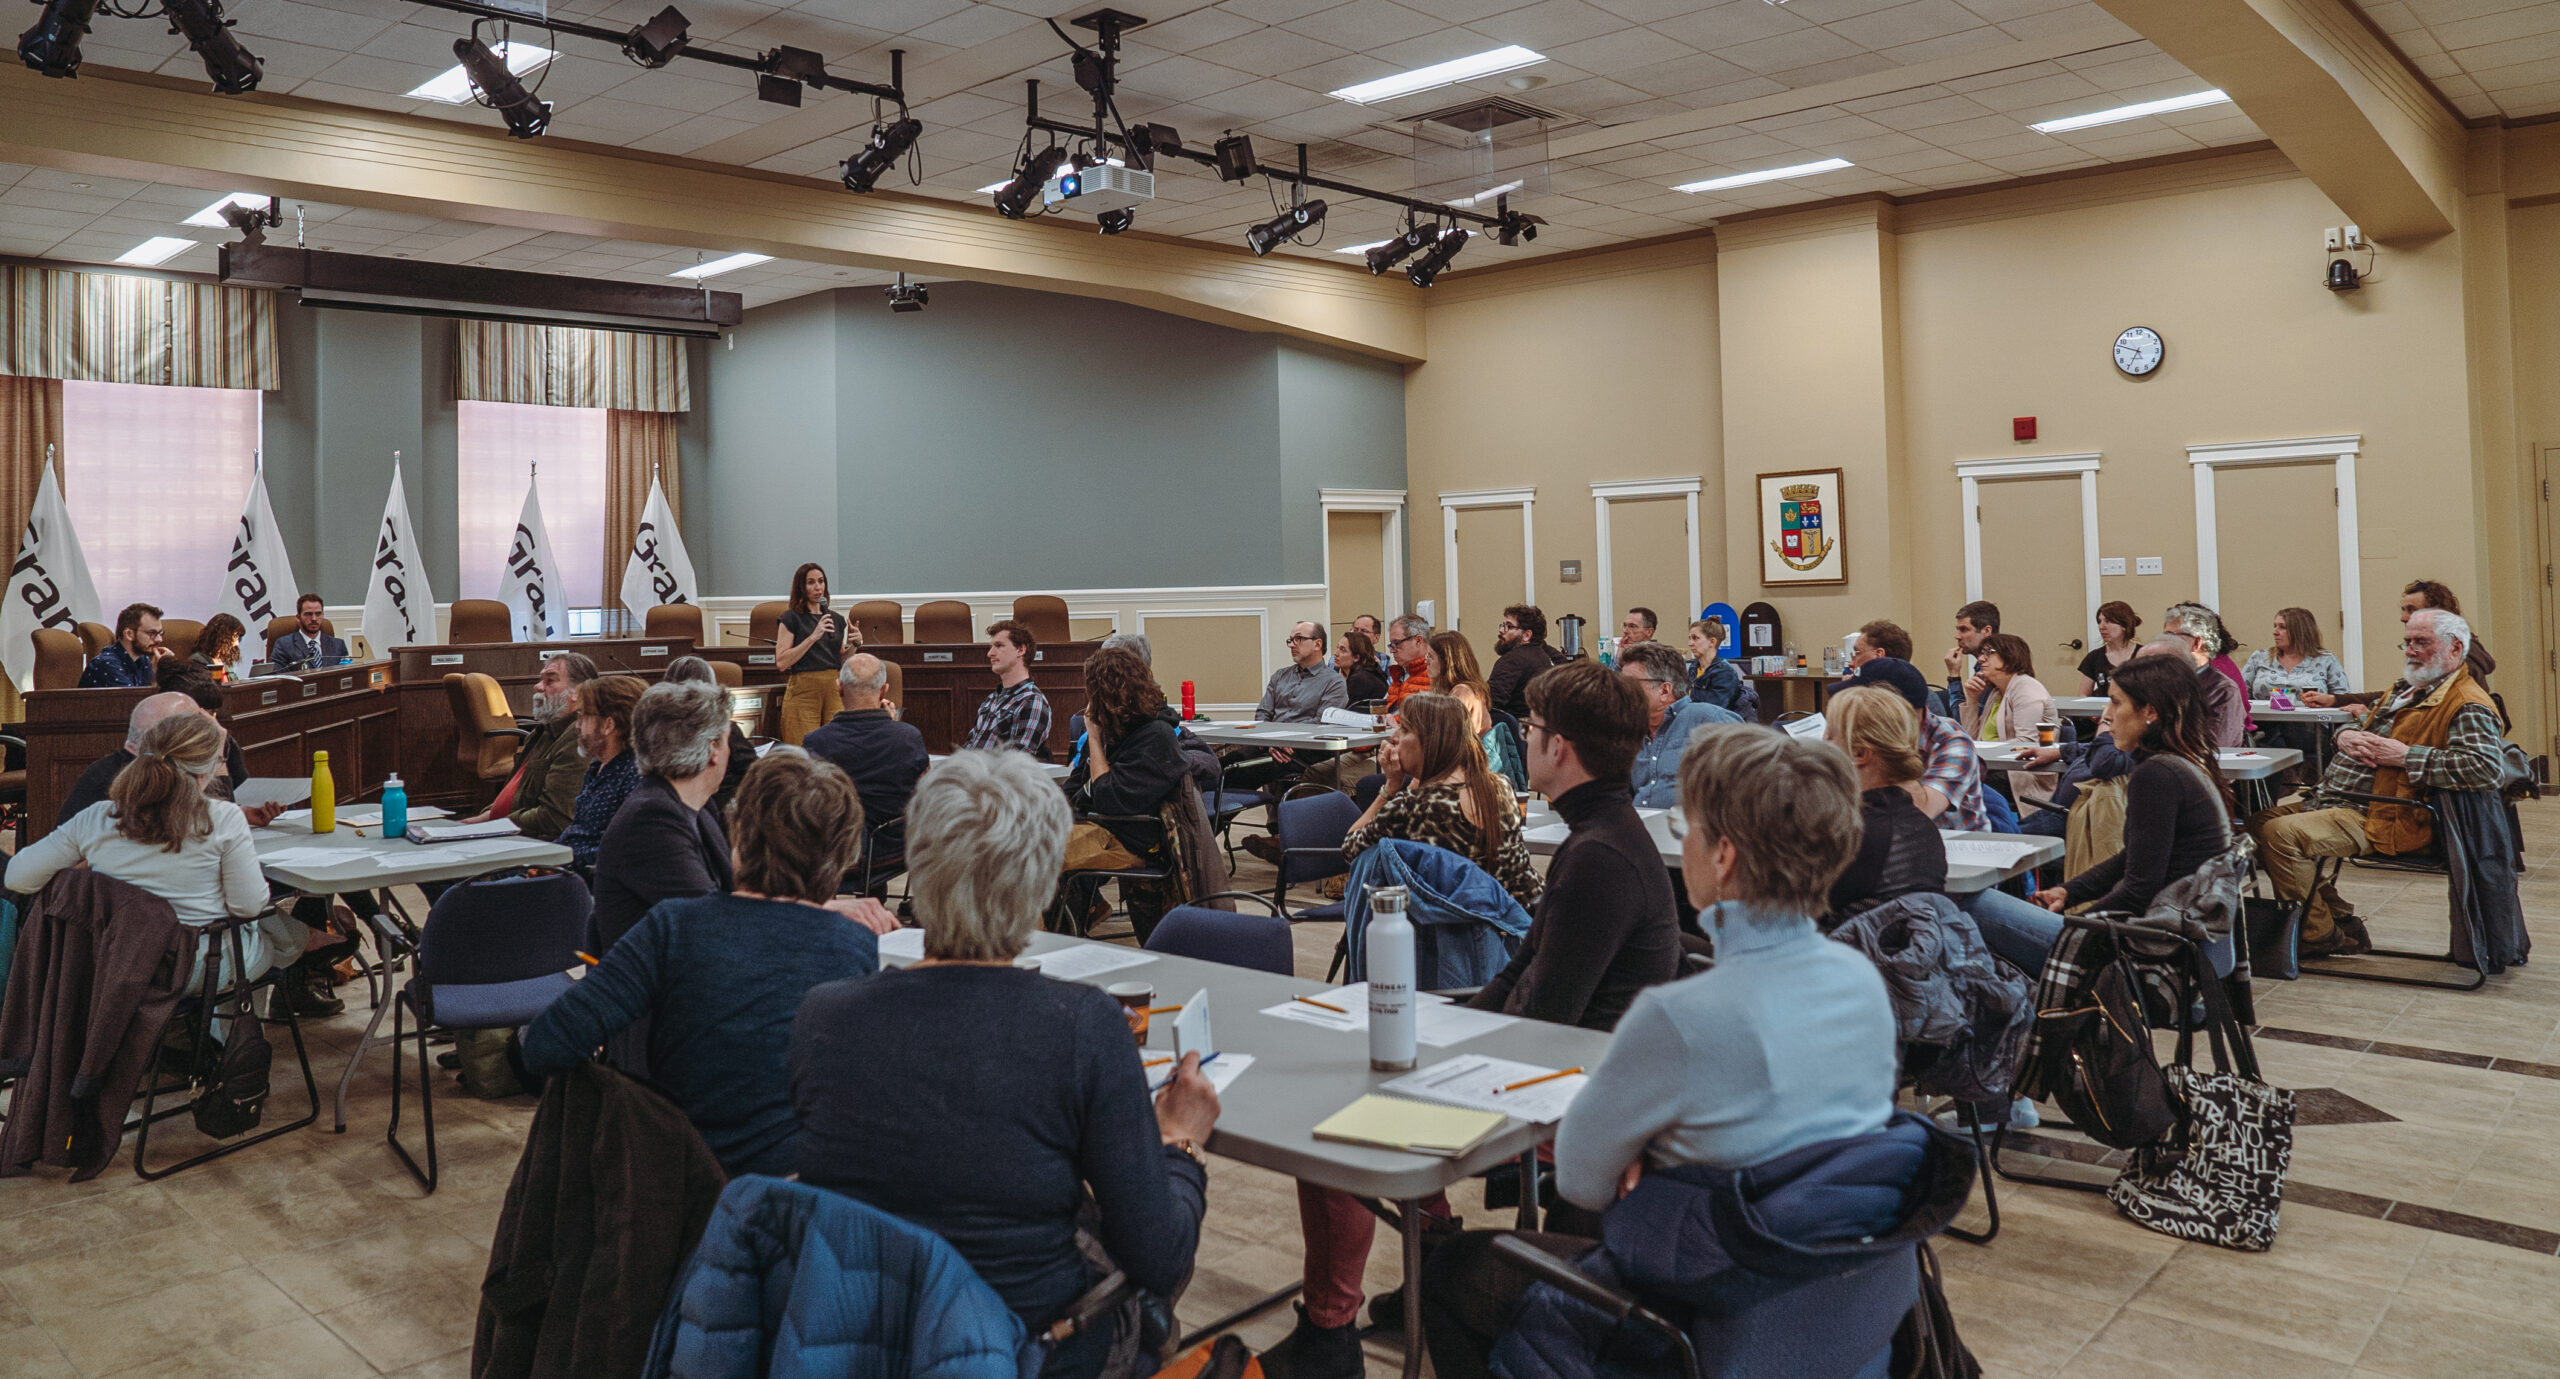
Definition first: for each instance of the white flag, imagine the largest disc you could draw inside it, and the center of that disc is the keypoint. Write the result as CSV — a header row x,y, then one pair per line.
x,y
49,586
399,607
534,596
659,570
259,580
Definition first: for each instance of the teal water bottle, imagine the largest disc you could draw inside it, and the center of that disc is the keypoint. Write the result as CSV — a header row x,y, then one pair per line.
x,y
395,808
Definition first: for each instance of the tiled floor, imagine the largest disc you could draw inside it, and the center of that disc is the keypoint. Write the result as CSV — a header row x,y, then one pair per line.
x,y
316,1255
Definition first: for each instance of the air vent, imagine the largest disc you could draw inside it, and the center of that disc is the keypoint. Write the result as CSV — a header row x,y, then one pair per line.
x,y
1468,123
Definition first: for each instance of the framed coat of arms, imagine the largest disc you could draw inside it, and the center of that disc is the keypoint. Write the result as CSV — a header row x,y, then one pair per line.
x,y
1800,529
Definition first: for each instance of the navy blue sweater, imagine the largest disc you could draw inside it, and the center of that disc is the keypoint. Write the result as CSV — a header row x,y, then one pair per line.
x,y
719,978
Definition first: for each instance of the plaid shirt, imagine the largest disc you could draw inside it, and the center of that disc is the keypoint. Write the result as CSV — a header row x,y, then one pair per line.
x,y
1015,716
1953,771
2473,756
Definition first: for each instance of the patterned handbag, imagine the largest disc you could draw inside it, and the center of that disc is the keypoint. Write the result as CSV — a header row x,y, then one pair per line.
x,y
2219,1177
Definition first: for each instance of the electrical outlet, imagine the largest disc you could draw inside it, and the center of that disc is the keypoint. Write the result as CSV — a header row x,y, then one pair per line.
x,y
2146,565
2355,237
2111,565
2333,241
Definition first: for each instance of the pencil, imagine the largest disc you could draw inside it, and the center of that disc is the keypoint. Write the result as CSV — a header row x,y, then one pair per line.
x,y
1321,1005
588,958
1534,1081
1160,1010
1155,1062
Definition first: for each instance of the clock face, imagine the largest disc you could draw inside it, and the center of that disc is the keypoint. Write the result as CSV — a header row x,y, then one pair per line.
x,y
2139,350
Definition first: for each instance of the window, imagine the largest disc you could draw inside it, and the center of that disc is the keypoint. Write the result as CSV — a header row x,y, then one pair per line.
x,y
154,478
500,444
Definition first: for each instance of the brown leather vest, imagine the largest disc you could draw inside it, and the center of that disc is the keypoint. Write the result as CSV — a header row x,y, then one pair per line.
x,y
2427,723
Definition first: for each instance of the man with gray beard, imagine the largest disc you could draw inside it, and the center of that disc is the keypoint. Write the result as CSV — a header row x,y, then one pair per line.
x,y
542,796
2435,729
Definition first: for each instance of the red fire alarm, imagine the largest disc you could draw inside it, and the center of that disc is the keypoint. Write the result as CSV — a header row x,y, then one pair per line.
x,y
2022,428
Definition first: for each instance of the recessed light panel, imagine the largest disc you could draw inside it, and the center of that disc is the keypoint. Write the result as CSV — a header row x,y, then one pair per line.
x,y
1455,70
2129,112
1746,179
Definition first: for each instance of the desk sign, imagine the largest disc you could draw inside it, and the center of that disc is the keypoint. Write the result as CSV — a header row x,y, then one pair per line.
x,y
267,698
939,655
346,682
754,659
653,651
448,659
310,688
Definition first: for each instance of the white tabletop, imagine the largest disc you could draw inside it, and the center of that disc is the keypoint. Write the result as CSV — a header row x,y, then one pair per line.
x,y
1051,769
1323,737
1544,833
2265,711
2247,763
371,862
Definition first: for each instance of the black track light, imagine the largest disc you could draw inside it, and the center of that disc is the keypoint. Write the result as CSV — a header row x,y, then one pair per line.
x,y
1113,222
1515,227
906,296
1235,157
1148,140
1422,271
889,143
52,46
1014,198
1268,235
498,89
1385,256
232,68
656,43
784,71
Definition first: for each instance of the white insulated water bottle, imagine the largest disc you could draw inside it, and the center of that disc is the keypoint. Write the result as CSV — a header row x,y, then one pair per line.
x,y
1392,1016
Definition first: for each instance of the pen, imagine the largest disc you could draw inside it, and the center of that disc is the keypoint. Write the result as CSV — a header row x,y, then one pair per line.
x,y
1534,1081
1321,1005
588,958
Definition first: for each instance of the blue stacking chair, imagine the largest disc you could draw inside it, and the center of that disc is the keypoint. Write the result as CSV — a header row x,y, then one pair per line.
x,y
1309,824
1238,939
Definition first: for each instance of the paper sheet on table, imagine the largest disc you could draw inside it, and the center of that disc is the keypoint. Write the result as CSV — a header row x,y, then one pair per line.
x,y
1472,1079
1989,852
305,856
1438,1022
1076,962
1222,1072
1809,729
1191,1028
1345,718
258,790
477,847
906,945
364,815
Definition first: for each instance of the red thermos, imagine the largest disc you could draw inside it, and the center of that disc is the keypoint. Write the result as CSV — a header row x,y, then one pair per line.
x,y
1190,701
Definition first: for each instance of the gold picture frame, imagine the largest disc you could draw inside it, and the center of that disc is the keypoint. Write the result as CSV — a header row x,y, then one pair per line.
x,y
1801,533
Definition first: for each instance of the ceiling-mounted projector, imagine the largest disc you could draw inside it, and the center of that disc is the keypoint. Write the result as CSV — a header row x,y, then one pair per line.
x,y
1098,190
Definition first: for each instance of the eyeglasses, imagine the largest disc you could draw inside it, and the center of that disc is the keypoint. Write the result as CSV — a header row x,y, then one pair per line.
x,y
1678,822
1394,642
1299,638
1509,626
1534,726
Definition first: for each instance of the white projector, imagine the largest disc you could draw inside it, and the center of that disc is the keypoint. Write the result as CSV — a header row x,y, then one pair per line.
x,y
1099,190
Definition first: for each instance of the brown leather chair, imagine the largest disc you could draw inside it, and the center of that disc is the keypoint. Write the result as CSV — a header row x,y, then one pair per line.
x,y
1045,615
882,622
895,691
58,659
678,620
729,673
479,620
765,619
485,733
944,621
94,637
181,636
277,627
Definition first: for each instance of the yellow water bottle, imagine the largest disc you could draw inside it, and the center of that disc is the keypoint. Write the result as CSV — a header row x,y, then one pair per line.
x,y
324,795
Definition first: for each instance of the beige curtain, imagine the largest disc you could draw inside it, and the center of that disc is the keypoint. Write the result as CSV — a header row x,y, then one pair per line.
x,y
569,366
30,420
114,328
636,446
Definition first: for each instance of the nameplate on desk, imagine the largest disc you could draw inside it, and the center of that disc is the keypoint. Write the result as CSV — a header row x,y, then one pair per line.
x,y
267,698
346,682
1039,655
380,677
449,659
310,688
653,651
937,656
764,660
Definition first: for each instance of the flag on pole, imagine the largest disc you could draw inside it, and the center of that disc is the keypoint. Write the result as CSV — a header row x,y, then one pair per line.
x,y
399,607
659,570
49,586
534,596
259,578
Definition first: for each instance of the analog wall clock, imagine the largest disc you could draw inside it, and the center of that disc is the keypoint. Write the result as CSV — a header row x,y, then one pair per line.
x,y
2139,351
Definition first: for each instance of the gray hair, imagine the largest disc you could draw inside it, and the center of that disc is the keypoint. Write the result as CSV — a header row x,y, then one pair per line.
x,y
147,715
1410,625
2169,646
2450,627
577,665
690,670
986,831
1135,643
854,681
1659,662
2197,621
677,725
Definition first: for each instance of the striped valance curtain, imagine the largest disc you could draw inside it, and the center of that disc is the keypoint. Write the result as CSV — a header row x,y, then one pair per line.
x,y
118,328
571,366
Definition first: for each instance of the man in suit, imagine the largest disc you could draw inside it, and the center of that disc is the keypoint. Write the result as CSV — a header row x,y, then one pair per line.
x,y
306,645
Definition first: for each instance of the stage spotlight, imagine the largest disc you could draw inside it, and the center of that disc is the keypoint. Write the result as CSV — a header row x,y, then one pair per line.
x,y
785,70
52,46
1014,198
907,296
1515,227
1423,270
498,89
232,68
656,43
889,143
1113,222
1391,253
1267,236
1148,140
1235,157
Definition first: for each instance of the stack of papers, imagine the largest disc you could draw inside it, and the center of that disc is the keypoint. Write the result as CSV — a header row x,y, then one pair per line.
x,y
2000,854
1481,1082
1079,961
1345,718
458,832
362,815
1417,1127
1439,1023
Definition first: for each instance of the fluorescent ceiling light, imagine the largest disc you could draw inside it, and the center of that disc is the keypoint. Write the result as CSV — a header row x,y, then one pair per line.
x,y
2129,112
453,86
211,216
153,252
1745,179
720,266
1440,74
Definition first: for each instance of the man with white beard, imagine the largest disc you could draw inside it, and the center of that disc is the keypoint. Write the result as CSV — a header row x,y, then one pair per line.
x,y
2435,729
542,797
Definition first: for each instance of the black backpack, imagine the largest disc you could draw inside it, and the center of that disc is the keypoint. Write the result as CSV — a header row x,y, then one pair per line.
x,y
2092,1051
233,1073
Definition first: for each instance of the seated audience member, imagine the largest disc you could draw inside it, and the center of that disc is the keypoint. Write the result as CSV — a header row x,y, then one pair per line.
x,y
2420,594
1133,765
1881,638
2174,815
1356,657
1452,665
665,843
883,756
1016,716
2191,638
913,1084
92,784
2293,660
131,661
1408,668
1712,678
1950,788
2117,622
1439,791
541,798
719,977
2218,641
308,644
2005,702
1302,690
1787,1042
1368,625
1974,621
158,830
1670,716
1637,626
2435,730
217,652
1900,852
742,753
1521,654
605,705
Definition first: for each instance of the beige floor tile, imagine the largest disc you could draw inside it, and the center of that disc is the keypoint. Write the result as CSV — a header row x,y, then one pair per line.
x,y
2523,1201
2071,1243
454,1366
2495,1280
26,1352
2225,1291
298,1349
2404,1162
87,1219
2499,1033
2425,1339
421,1327
2016,1329
67,1285
2334,1244
2431,1094
2139,1345
171,1321
400,1257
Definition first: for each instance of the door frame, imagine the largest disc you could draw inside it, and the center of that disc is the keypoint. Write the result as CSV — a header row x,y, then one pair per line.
x,y
1389,501
1602,495
1972,474
1457,500
2339,451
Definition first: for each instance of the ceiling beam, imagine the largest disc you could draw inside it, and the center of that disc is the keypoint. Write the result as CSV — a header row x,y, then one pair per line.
x,y
157,130
2332,96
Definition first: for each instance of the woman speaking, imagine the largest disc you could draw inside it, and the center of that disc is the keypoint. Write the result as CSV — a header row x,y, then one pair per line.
x,y
808,647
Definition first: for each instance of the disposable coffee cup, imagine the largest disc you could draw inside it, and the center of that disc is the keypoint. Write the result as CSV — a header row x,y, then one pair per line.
x,y
1134,999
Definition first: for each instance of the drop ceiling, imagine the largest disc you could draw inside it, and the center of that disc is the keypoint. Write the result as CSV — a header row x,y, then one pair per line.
x,y
2491,58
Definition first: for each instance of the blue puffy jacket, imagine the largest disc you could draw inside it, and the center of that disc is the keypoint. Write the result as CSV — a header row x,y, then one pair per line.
x,y
1802,1266
1465,925
794,1282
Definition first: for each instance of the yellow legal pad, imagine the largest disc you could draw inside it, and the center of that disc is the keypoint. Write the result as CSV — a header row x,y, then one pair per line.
x,y
1418,1127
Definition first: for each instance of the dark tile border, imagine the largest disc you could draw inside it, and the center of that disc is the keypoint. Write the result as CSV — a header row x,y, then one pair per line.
x,y
2416,1053
2541,1242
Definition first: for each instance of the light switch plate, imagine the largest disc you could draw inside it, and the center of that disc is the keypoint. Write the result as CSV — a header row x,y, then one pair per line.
x,y
2146,565
1569,571
2111,565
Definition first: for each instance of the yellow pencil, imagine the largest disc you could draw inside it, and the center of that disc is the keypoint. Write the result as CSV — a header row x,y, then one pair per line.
x,y
1161,1010
588,959
1155,1062
1534,1081
1321,1005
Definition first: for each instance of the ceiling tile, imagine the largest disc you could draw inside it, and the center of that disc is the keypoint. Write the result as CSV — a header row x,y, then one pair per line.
x,y
1269,52
1364,24
1781,52
1734,22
